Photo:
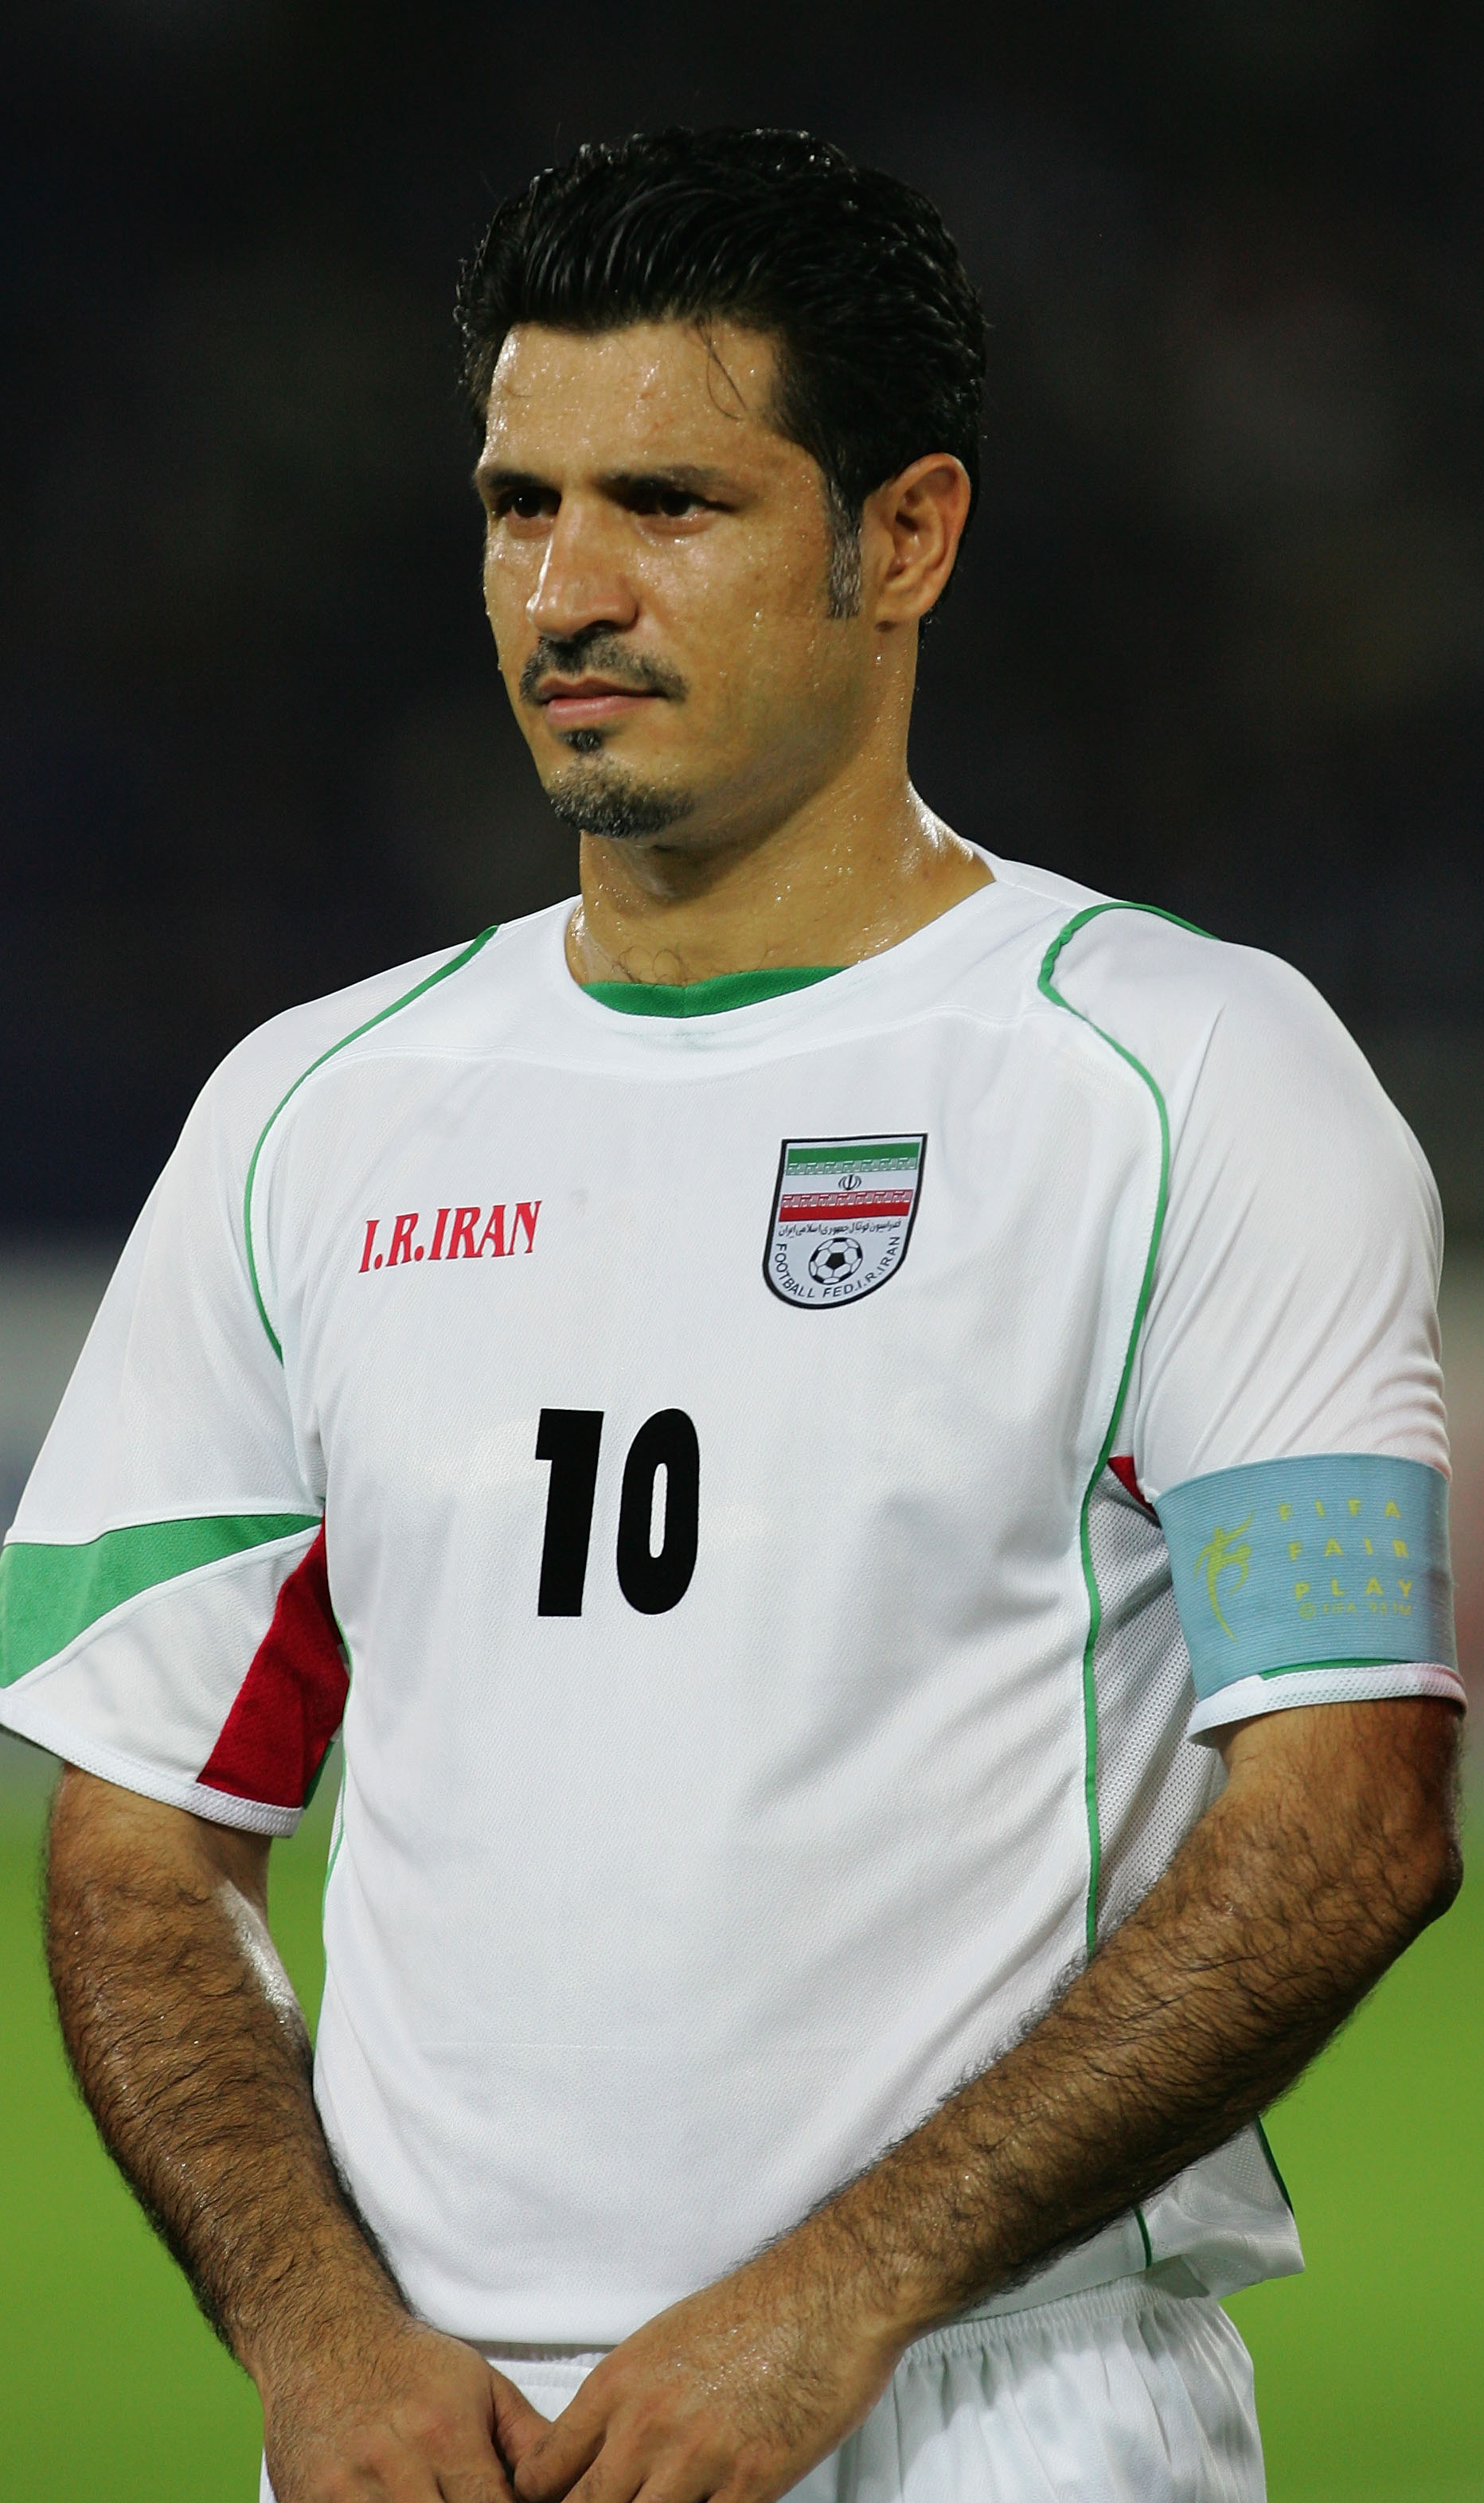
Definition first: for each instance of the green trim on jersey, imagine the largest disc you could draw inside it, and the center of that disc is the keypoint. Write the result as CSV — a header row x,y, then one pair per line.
x,y
337,1826
50,1593
455,965
1148,2248
1309,1667
1045,983
708,998
336,1837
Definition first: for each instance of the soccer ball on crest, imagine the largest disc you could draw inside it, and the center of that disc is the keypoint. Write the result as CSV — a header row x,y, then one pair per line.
x,y
837,1258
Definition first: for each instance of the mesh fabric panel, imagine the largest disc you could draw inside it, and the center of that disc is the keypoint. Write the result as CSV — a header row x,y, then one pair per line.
x,y
1151,1782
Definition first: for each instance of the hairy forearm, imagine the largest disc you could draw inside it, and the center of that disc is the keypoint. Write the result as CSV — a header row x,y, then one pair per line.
x,y
192,2055
1330,1848
1281,1910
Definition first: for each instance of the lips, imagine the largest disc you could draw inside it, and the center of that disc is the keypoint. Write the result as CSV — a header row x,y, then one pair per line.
x,y
580,703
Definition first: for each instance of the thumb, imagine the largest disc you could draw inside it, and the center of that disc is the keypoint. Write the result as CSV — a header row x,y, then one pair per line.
x,y
517,2424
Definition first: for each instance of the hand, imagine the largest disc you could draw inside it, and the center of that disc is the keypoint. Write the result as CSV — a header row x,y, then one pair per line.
x,y
408,2417
737,2391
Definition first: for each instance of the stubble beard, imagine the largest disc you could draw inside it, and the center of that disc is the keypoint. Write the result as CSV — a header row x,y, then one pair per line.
x,y
597,798
596,795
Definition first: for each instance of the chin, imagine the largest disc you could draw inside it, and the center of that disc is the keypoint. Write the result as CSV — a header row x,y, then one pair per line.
x,y
598,798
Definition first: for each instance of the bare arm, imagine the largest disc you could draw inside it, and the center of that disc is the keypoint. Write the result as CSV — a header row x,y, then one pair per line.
x,y
193,2054
1331,1847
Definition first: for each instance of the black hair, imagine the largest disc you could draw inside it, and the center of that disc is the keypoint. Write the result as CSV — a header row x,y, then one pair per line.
x,y
879,335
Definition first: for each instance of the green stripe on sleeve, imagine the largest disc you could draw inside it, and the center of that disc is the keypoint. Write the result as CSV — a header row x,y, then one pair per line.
x,y
1048,986
454,965
50,1594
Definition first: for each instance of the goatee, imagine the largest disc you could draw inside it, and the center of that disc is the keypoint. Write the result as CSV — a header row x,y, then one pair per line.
x,y
599,800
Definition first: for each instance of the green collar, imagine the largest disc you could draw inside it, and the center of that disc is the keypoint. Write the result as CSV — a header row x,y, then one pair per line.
x,y
708,998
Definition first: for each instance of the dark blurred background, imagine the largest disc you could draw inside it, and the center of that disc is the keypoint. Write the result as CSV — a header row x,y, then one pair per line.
x,y
1218,644
1218,639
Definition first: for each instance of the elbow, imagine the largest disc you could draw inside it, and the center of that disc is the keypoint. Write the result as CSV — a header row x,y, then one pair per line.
x,y
1443,1875
1427,1874
1419,1834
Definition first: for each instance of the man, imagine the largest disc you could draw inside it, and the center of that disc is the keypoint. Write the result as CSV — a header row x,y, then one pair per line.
x,y
862,1430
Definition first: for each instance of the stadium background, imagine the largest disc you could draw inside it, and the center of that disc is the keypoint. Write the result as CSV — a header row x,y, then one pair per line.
x,y
1218,643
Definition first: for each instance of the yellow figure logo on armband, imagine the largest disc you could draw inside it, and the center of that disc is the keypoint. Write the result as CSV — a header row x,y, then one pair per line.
x,y
1222,1554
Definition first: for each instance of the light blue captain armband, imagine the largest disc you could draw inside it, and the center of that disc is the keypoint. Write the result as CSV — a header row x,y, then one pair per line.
x,y
1337,1561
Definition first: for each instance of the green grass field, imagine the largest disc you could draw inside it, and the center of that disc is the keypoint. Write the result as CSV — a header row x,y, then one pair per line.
x,y
1369,2369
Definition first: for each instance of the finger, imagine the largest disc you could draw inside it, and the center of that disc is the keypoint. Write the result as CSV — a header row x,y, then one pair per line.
x,y
415,2477
685,2467
518,2425
671,2472
554,2463
476,2474
694,2481
615,2475
667,2464
485,2484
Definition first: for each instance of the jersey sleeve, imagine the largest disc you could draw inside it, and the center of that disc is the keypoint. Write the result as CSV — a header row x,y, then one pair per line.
x,y
1284,1414
164,1608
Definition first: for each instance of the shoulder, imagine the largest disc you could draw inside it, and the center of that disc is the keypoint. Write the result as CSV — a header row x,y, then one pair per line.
x,y
1134,971
1279,1134
263,1073
1152,977
1251,1067
291,1044
1194,1011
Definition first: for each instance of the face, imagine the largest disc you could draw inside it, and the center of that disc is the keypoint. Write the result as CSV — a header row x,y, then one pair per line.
x,y
657,570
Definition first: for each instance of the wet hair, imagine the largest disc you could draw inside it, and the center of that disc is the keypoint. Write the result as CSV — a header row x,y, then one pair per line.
x,y
878,333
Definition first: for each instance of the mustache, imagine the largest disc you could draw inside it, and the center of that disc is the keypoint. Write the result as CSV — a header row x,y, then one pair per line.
x,y
597,650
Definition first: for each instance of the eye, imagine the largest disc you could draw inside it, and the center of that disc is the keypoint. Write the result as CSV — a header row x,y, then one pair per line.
x,y
665,503
522,503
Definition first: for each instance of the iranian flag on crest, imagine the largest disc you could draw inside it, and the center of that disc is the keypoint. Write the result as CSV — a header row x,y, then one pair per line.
x,y
842,1216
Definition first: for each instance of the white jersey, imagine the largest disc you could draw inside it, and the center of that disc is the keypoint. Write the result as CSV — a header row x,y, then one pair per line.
x,y
741,1466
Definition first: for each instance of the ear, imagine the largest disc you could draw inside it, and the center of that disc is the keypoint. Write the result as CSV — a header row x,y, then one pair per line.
x,y
910,534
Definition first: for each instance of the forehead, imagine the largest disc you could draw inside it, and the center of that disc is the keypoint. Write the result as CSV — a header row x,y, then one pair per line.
x,y
656,391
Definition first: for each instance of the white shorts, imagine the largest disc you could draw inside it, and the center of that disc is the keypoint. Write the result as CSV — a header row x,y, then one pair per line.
x,y
1123,2395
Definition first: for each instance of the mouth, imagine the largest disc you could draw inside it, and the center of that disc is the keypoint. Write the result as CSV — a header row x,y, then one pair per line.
x,y
588,703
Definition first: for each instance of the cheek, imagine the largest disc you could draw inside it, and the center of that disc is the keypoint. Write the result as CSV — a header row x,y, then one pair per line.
x,y
767,625
510,573
504,606
790,651
495,587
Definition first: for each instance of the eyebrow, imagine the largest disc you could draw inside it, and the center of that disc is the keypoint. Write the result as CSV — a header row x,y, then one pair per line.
x,y
685,477
490,479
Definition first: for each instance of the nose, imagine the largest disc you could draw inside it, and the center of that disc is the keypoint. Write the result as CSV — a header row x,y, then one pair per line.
x,y
583,581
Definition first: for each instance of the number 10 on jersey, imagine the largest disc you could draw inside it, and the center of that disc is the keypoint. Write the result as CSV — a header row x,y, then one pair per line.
x,y
652,1579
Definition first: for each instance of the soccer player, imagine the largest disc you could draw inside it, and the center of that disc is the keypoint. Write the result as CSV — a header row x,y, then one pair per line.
x,y
854,1433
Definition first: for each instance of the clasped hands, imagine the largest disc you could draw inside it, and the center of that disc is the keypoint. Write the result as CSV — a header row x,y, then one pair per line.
x,y
736,2393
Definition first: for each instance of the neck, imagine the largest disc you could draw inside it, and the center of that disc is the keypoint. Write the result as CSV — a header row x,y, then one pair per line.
x,y
850,870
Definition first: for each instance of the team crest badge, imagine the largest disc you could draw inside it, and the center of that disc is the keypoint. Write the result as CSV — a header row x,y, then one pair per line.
x,y
842,1217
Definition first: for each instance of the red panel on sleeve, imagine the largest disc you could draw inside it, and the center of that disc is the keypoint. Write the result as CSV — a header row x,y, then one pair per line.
x,y
1122,1465
290,1704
